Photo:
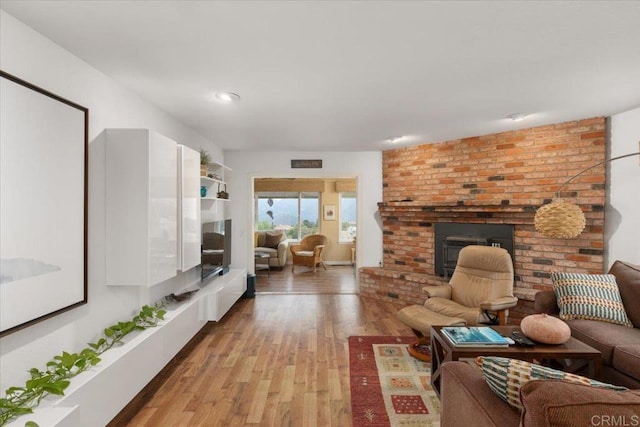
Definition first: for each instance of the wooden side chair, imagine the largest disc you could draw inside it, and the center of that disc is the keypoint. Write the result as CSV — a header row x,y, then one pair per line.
x,y
308,252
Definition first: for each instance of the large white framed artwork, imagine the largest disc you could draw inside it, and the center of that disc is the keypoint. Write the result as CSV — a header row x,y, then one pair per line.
x,y
43,204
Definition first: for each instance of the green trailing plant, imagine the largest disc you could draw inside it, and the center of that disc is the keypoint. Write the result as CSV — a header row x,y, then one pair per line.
x,y
205,158
55,378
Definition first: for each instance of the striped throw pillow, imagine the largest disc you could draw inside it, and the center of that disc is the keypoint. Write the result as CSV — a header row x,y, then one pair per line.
x,y
590,297
506,376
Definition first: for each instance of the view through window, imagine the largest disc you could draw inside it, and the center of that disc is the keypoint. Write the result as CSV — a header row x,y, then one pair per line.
x,y
348,216
296,213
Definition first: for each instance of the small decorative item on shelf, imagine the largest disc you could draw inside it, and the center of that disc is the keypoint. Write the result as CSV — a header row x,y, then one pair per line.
x,y
210,175
222,194
180,297
204,162
203,191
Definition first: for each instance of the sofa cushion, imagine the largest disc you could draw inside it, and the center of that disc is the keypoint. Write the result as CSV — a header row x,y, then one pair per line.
x,y
628,278
465,400
603,336
561,404
273,253
626,359
506,376
304,253
589,296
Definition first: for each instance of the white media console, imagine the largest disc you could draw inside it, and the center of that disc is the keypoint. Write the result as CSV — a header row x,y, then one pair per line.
x,y
96,396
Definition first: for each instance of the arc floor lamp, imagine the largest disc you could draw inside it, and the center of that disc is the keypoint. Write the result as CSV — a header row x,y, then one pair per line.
x,y
564,220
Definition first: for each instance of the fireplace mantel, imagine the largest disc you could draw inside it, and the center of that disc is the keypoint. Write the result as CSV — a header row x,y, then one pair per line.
x,y
412,212
390,207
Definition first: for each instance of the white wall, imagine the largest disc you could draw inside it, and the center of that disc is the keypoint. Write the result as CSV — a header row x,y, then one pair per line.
x,y
622,233
365,166
34,58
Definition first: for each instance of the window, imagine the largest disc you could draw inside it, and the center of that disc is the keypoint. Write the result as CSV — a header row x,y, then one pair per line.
x,y
297,213
348,217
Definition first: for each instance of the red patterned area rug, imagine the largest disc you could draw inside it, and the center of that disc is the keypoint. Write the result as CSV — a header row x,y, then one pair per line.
x,y
388,386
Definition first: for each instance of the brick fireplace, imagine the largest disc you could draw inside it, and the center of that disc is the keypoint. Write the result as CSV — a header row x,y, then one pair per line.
x,y
494,179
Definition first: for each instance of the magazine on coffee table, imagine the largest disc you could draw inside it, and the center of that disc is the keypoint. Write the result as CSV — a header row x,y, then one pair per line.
x,y
474,336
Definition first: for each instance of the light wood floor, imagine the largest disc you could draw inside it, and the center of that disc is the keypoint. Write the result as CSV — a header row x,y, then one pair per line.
x,y
336,279
276,360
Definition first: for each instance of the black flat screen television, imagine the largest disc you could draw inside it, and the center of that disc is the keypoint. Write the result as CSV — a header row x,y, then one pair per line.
x,y
216,247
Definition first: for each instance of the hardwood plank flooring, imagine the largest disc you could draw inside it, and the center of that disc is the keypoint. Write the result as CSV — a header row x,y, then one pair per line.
x,y
336,279
274,360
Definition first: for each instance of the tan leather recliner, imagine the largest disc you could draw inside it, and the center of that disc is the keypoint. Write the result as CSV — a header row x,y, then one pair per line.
x,y
480,292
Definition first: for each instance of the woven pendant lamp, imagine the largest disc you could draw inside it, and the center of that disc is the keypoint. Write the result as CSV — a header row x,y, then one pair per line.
x,y
562,220
559,220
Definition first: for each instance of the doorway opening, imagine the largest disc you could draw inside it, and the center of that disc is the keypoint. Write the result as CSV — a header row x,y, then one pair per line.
x,y
288,209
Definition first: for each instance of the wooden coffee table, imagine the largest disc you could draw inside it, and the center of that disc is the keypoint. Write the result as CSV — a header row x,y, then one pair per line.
x,y
443,351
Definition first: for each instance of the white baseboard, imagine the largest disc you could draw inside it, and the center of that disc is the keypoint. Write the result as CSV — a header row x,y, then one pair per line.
x,y
338,262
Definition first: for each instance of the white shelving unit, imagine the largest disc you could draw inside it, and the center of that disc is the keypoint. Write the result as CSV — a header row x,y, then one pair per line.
x,y
212,184
212,188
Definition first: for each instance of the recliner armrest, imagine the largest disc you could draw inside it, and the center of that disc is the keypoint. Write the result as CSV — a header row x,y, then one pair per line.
x,y
442,291
499,303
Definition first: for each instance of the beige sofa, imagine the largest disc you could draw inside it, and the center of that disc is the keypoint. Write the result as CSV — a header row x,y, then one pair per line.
x,y
273,243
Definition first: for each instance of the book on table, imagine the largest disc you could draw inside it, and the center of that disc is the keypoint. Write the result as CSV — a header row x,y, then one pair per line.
x,y
474,336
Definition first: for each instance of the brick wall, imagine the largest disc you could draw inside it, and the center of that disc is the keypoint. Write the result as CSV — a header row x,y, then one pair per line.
x,y
499,178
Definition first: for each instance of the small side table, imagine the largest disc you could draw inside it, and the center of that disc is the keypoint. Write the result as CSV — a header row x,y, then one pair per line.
x,y
262,262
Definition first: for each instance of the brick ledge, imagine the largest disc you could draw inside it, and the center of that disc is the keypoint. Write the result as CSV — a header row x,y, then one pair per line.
x,y
525,293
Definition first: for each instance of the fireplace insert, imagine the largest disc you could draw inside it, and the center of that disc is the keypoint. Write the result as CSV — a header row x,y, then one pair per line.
x,y
450,238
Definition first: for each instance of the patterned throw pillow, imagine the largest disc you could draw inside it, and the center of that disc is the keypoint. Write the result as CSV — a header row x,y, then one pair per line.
x,y
590,297
506,376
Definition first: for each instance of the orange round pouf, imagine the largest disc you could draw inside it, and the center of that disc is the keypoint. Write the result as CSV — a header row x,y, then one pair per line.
x,y
545,329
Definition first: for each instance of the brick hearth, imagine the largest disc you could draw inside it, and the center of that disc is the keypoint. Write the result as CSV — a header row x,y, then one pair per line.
x,y
495,179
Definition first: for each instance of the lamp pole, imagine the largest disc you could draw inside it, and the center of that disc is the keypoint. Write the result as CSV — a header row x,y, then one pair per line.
x,y
594,166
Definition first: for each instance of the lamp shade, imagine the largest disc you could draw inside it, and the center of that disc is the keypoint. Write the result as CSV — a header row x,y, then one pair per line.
x,y
559,220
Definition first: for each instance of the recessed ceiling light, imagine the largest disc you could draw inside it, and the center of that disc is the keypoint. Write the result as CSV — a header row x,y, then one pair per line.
x,y
227,97
516,117
393,139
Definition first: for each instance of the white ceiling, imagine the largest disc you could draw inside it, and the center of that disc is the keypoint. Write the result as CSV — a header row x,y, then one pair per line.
x,y
346,75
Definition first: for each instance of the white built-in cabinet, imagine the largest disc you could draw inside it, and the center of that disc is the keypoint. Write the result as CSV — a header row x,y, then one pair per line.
x,y
141,207
189,235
